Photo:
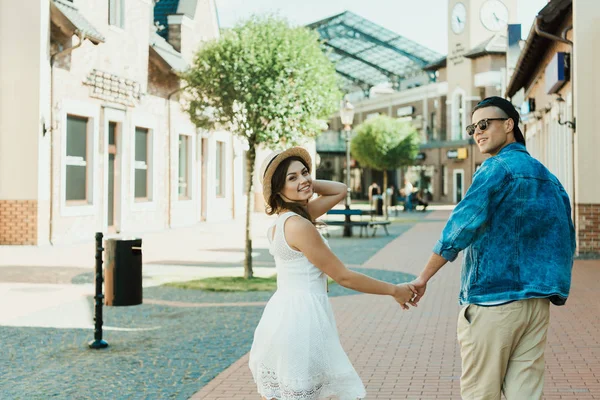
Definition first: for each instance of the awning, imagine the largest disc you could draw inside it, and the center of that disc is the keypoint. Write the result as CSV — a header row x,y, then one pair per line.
x,y
64,15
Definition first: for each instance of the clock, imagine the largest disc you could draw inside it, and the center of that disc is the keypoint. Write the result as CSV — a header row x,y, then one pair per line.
x,y
458,18
494,15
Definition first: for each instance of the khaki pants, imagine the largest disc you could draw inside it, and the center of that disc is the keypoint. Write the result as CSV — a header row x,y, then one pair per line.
x,y
502,350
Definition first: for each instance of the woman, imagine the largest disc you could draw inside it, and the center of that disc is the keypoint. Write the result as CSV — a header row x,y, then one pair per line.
x,y
296,353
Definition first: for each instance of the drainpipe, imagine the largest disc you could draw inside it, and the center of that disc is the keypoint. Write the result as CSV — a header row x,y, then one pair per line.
x,y
539,32
563,39
169,169
81,36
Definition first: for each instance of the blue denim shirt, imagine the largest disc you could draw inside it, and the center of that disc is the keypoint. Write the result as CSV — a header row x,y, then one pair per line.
x,y
515,226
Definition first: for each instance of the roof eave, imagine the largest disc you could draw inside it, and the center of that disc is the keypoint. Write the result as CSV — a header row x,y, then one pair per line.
x,y
160,62
524,67
436,65
65,24
484,53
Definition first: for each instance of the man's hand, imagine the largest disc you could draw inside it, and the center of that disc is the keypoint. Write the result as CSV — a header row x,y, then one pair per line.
x,y
404,294
418,285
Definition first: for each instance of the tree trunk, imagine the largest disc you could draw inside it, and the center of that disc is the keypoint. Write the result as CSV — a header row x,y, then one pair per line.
x,y
250,161
385,194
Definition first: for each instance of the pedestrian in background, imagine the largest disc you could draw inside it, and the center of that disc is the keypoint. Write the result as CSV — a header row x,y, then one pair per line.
x,y
408,190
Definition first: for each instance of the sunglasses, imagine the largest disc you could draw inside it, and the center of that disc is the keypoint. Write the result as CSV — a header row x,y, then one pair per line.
x,y
482,125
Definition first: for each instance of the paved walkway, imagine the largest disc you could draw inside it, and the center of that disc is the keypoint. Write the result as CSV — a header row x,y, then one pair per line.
x,y
414,355
29,275
40,279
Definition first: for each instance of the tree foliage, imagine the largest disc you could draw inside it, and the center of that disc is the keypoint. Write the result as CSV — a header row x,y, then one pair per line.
x,y
266,82
385,143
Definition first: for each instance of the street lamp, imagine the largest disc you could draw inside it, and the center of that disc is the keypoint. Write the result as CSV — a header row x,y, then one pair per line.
x,y
347,117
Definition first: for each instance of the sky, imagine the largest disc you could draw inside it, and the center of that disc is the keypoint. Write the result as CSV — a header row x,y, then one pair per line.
x,y
424,21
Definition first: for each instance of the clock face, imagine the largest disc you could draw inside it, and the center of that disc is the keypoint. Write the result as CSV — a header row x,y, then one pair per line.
x,y
494,15
459,18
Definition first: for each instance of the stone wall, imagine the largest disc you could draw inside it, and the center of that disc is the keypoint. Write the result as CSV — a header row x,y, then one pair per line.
x,y
588,228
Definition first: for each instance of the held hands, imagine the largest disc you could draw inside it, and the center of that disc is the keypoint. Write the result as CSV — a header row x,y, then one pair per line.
x,y
418,285
404,294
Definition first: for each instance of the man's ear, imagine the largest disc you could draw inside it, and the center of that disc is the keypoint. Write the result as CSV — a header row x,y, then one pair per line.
x,y
511,125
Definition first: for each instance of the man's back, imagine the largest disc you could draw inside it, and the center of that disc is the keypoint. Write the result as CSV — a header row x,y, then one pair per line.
x,y
515,226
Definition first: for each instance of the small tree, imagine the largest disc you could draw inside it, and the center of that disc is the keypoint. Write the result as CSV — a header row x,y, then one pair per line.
x,y
266,82
385,143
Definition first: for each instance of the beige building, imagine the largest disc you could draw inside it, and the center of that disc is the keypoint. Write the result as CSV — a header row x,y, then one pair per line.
x,y
92,132
436,96
554,76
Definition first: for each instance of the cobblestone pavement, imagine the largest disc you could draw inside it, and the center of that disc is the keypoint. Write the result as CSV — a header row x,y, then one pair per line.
x,y
414,355
169,347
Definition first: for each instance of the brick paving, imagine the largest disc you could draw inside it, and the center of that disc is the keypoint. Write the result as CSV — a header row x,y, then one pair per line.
x,y
414,354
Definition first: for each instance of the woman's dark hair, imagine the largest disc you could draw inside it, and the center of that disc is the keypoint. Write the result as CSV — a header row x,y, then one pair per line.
x,y
276,203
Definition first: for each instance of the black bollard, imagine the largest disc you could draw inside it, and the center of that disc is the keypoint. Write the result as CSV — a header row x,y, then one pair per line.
x,y
98,343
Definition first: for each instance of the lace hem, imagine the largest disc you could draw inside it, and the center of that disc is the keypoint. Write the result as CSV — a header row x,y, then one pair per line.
x,y
346,386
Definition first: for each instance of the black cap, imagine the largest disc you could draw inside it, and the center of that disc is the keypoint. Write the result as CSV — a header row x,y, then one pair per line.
x,y
508,108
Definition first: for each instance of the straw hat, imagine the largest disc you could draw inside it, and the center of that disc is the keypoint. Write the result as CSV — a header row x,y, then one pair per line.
x,y
272,162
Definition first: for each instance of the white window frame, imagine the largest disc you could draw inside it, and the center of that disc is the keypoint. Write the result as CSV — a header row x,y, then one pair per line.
x,y
145,121
140,165
462,184
92,113
223,176
445,178
119,117
458,126
120,14
190,145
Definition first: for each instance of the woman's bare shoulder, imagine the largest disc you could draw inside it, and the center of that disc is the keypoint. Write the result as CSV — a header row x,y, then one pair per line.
x,y
298,224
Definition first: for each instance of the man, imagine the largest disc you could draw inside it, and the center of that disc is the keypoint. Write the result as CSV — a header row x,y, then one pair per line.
x,y
515,227
408,190
373,191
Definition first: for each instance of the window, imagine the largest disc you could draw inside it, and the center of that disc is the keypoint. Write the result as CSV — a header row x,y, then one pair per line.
x,y
220,169
444,180
78,179
432,128
116,13
184,159
459,118
141,165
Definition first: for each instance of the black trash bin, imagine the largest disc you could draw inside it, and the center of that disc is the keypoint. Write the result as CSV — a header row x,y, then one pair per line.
x,y
123,272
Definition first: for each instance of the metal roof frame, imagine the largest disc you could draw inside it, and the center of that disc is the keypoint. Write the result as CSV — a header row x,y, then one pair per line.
x,y
368,54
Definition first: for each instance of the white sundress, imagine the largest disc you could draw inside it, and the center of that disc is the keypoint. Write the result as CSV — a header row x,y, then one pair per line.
x,y
296,353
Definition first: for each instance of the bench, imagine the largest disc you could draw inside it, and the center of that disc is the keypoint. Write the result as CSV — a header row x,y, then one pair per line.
x,y
363,225
376,224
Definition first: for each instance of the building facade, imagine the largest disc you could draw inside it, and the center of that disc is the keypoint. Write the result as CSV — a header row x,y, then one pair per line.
x,y
93,136
438,107
553,81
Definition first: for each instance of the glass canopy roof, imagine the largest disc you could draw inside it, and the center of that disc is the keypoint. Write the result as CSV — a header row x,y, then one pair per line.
x,y
366,54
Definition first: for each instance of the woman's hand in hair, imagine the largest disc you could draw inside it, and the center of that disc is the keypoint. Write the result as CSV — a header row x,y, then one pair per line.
x,y
330,193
